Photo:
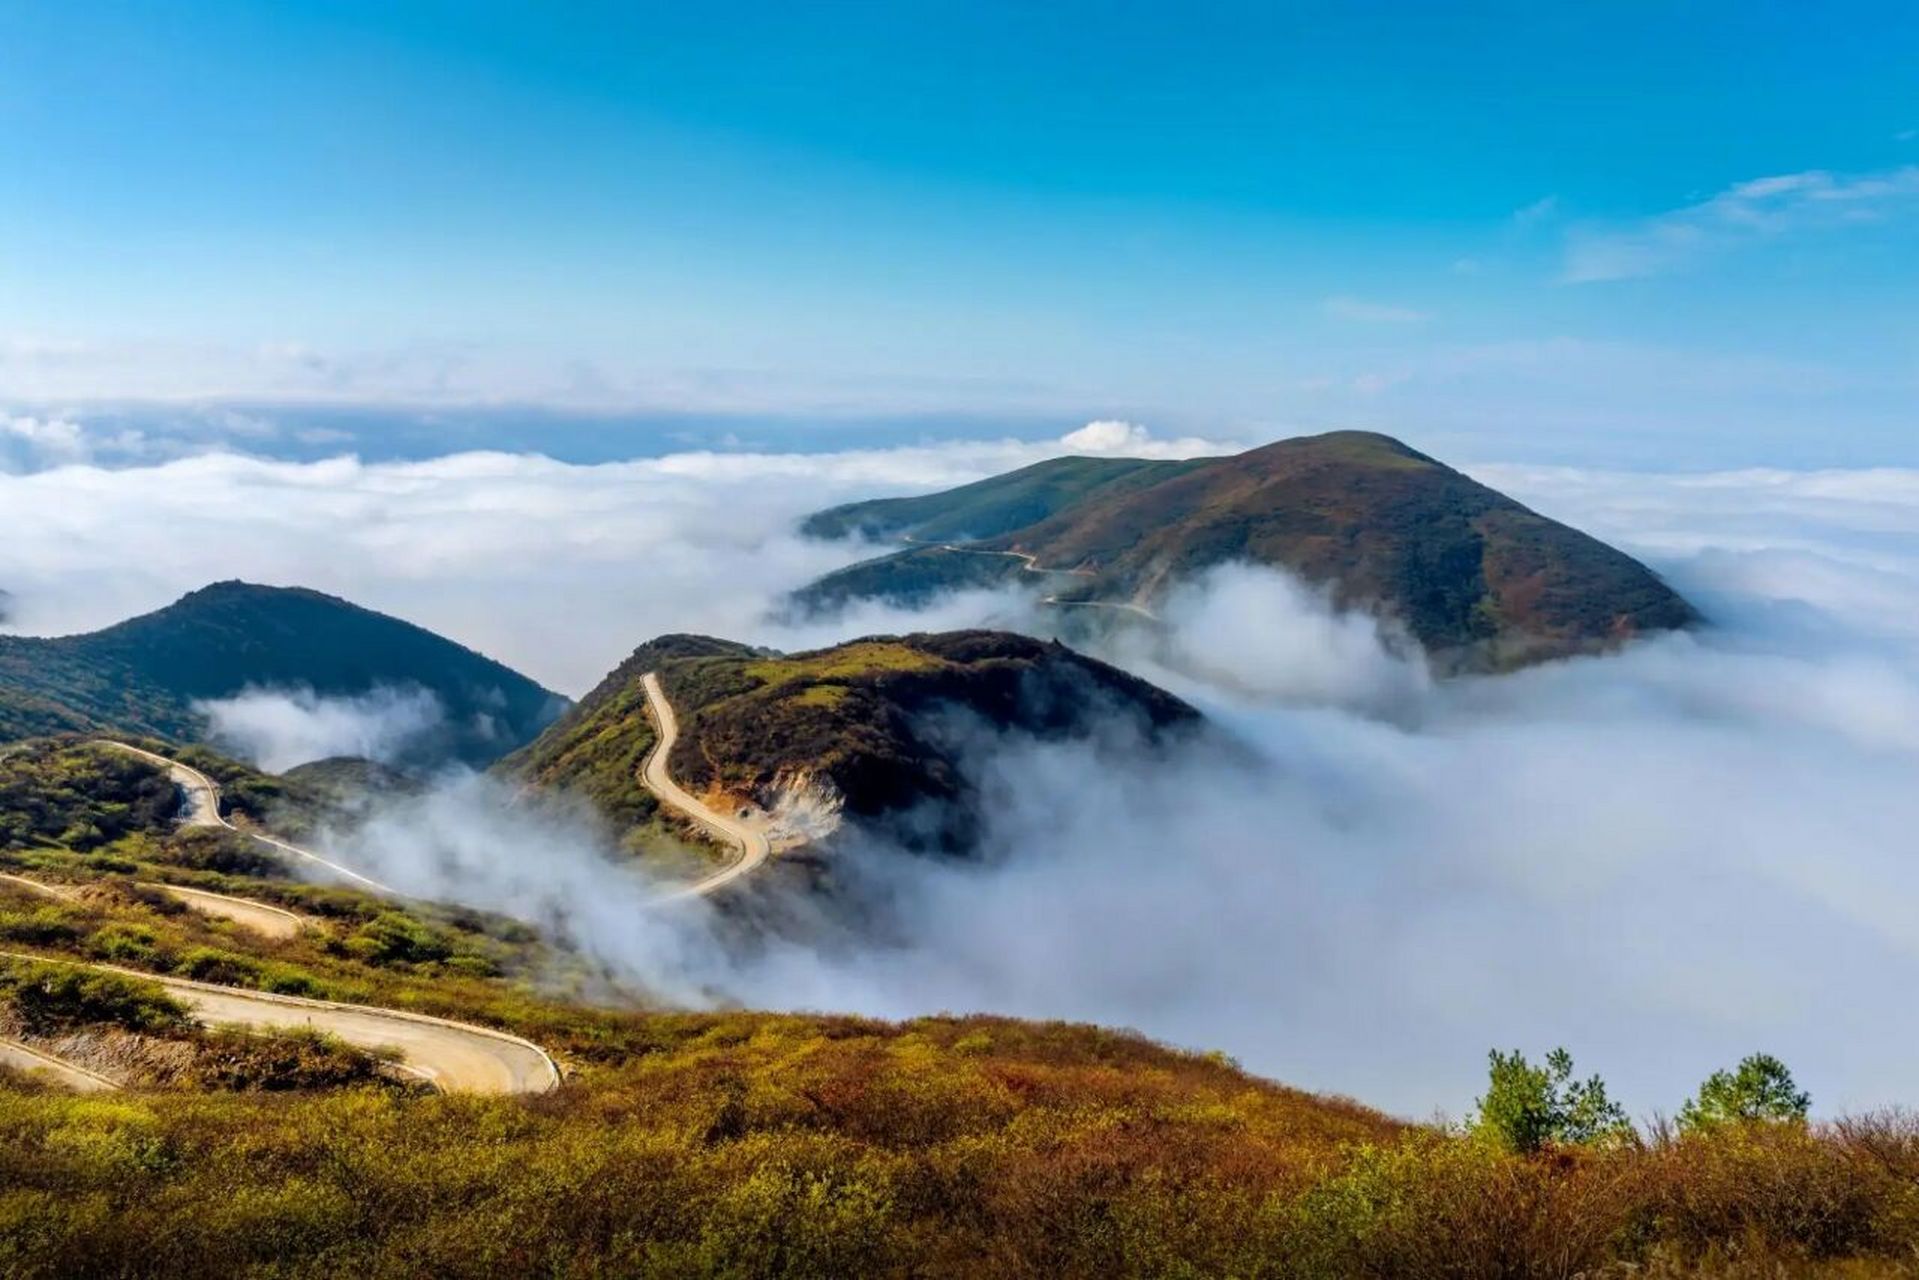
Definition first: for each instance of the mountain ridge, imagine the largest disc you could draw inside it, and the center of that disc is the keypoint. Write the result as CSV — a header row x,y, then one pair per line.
x,y
862,727
1479,580
144,675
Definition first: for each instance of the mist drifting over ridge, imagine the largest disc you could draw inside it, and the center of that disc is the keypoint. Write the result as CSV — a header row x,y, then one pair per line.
x,y
1664,858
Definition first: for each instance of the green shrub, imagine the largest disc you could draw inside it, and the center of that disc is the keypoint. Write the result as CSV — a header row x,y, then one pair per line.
x,y
286,980
124,943
1528,1108
216,849
210,964
49,997
394,938
1759,1089
277,1062
39,927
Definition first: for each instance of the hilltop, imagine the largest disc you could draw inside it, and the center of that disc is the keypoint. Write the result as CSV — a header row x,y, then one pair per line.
x,y
873,729
739,1142
143,676
1480,581
996,505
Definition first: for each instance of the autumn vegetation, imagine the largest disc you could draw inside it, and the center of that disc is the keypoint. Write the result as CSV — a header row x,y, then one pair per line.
x,y
756,1144
764,1145
1481,582
876,722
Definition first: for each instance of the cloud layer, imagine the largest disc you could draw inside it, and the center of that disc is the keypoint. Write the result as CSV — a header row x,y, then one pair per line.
x,y
556,569
280,728
1664,859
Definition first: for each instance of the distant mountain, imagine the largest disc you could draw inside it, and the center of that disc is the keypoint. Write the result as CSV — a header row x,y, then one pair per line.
x,y
877,726
990,507
143,676
1480,581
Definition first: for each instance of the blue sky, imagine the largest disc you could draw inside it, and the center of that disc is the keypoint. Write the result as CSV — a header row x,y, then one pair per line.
x,y
1679,234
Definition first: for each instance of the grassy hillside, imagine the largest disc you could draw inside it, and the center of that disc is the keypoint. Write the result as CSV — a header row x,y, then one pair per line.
x,y
142,676
101,824
596,750
987,508
1479,580
871,720
908,578
761,1144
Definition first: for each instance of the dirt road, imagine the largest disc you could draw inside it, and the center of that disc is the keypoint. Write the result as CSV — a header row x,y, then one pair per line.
x,y
458,1057
41,887
203,810
21,1058
1030,564
751,840
272,922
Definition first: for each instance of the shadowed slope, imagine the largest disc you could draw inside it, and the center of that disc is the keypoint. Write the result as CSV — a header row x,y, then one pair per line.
x,y
996,505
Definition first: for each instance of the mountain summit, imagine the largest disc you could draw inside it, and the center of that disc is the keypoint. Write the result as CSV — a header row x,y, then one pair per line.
x,y
1482,582
880,729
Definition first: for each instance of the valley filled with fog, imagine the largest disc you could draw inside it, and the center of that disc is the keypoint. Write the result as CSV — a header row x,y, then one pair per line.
x,y
1663,859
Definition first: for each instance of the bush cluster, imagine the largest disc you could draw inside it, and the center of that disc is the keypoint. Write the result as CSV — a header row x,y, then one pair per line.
x,y
760,1145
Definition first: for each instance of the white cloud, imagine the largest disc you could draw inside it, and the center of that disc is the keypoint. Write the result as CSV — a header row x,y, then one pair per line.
x,y
40,370
621,551
1664,859
1537,212
46,439
280,728
1745,213
1343,307
32,441
1269,637
1110,436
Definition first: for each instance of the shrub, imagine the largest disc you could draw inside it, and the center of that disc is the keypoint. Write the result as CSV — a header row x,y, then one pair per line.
x,y
210,964
50,997
393,938
39,927
1759,1089
125,943
298,1059
1528,1108
286,980
216,849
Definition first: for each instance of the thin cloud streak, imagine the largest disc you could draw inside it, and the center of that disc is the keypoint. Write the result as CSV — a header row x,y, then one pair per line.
x,y
1745,213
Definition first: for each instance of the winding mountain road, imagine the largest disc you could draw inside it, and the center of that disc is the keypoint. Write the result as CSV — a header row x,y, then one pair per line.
x,y
1030,564
272,922
41,887
454,1056
457,1057
751,841
203,810
23,1058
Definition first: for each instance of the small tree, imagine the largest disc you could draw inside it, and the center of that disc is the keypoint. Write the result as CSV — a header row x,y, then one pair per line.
x,y
1527,1108
1759,1089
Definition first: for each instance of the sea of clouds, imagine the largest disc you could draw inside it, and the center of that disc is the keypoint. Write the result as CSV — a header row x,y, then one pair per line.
x,y
1663,859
